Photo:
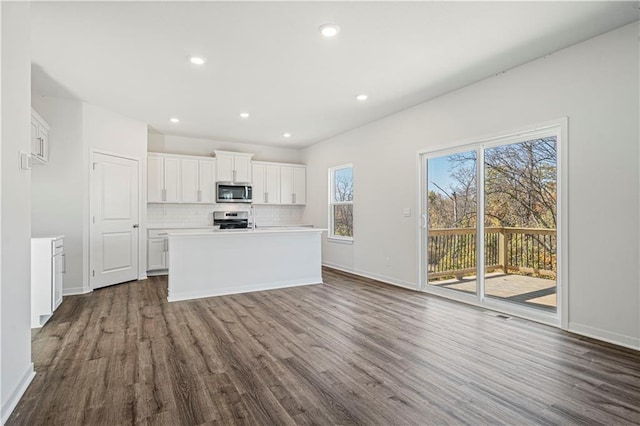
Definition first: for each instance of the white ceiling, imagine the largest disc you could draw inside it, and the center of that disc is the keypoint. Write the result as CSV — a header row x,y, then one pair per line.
x,y
269,59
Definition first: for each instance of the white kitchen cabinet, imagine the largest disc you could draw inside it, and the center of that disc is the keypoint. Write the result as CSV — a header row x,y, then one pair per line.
x,y
180,179
197,180
189,187
207,180
293,184
47,277
233,166
156,250
171,180
39,139
163,178
266,183
155,178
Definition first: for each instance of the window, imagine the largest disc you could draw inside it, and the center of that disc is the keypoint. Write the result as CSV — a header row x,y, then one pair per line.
x,y
341,202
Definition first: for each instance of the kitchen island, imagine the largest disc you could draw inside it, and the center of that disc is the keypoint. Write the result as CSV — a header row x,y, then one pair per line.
x,y
216,263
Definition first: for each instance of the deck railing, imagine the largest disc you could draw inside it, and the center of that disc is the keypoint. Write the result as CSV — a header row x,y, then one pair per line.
x,y
452,252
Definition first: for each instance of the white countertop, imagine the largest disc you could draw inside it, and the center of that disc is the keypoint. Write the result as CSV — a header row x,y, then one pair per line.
x,y
180,227
47,237
227,232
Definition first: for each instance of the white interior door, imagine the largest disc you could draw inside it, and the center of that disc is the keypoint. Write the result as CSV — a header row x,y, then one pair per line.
x,y
114,220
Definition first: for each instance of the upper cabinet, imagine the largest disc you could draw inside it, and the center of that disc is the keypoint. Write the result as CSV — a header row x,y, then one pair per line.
x,y
180,179
233,166
266,183
39,139
293,184
277,183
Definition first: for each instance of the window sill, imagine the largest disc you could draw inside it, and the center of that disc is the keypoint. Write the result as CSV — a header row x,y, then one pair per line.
x,y
340,240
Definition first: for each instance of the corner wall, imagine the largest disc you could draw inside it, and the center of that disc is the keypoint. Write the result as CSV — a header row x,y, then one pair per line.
x,y
57,200
16,368
596,85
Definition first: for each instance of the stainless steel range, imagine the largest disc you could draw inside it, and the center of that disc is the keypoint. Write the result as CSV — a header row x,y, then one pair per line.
x,y
231,219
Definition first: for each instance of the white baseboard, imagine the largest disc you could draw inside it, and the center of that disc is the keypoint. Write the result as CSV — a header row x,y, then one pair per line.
x,y
72,291
606,336
13,400
377,277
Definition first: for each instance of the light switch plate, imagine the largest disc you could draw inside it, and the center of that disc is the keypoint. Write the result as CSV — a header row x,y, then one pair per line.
x,y
25,161
407,212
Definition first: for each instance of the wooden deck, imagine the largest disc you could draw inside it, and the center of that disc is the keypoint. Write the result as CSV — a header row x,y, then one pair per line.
x,y
522,289
349,351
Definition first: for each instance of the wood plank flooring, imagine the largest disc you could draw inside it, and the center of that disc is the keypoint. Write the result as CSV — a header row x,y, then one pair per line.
x,y
349,351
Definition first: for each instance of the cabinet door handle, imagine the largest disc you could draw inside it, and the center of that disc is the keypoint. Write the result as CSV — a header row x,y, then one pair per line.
x,y
166,244
64,263
234,175
199,195
266,197
41,147
293,198
164,194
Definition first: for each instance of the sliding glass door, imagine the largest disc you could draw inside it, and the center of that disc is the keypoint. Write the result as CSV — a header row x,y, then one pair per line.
x,y
520,196
510,257
452,222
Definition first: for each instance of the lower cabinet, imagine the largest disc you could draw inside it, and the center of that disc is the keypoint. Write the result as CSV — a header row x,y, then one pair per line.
x,y
156,253
158,248
47,277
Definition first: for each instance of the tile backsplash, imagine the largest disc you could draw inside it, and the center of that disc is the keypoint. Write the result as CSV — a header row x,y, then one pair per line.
x,y
202,215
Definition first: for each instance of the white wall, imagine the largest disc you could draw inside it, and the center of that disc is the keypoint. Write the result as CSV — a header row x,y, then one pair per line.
x,y
595,84
111,132
57,199
197,146
16,369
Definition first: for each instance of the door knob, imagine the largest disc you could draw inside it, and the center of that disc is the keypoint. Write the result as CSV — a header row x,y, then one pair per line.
x,y
135,226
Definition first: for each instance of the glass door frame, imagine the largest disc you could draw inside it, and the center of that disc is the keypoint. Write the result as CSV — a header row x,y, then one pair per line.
x,y
557,128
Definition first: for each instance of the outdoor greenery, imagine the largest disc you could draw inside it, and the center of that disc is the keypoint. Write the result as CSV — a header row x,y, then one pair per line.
x,y
520,192
343,202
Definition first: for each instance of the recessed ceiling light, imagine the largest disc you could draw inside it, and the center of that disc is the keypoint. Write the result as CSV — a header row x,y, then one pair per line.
x,y
174,120
287,135
197,60
362,97
329,30
244,114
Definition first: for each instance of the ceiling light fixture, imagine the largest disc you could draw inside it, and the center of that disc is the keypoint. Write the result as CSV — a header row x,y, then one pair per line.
x,y
197,60
329,30
174,120
287,135
244,114
362,97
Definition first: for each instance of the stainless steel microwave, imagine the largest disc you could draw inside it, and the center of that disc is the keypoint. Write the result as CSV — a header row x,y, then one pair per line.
x,y
233,192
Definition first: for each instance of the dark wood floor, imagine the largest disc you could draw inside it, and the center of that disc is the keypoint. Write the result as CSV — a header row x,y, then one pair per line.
x,y
347,351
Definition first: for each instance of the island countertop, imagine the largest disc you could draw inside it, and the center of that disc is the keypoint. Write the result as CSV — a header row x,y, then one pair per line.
x,y
245,232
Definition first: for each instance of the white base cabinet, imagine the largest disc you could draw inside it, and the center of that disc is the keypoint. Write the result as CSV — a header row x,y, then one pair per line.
x,y
47,277
158,248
